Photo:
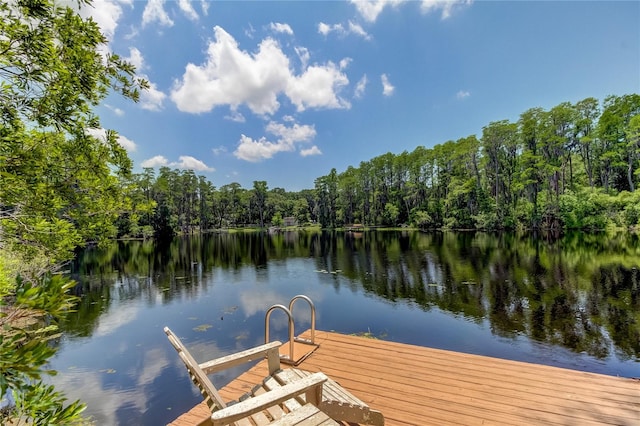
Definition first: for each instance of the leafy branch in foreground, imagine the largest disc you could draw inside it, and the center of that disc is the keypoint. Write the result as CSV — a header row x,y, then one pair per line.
x,y
60,183
26,326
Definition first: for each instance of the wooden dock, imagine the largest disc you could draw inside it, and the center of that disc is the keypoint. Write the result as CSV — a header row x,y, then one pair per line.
x,y
412,385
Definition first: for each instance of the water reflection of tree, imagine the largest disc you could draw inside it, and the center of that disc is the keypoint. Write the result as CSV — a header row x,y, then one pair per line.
x,y
578,292
581,291
174,269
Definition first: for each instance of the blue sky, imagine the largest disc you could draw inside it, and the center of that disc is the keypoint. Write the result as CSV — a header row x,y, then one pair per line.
x,y
285,91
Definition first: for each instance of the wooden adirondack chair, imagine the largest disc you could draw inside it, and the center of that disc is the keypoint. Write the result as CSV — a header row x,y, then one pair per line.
x,y
333,400
337,402
277,406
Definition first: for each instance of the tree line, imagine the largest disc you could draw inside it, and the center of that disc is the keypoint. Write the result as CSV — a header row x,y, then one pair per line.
x,y
574,166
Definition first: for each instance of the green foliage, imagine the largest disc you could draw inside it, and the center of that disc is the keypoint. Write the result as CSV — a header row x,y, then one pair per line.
x,y
391,214
421,219
487,220
25,328
59,192
326,194
42,405
59,189
525,175
52,69
631,214
627,204
277,220
526,214
587,209
8,267
260,198
530,174
60,185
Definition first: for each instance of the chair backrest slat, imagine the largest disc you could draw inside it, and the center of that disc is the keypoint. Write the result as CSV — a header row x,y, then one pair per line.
x,y
199,378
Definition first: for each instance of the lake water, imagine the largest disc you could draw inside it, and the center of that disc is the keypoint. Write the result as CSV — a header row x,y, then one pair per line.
x,y
573,302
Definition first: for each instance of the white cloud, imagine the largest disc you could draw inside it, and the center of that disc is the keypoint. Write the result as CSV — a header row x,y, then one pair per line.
x,y
154,11
151,98
462,94
117,111
235,116
303,55
123,141
352,28
344,63
387,88
133,33
291,135
281,28
135,58
255,150
127,143
156,161
258,150
187,8
249,32
191,163
186,162
205,7
318,88
314,150
370,9
446,6
325,29
219,150
106,13
355,28
360,87
231,76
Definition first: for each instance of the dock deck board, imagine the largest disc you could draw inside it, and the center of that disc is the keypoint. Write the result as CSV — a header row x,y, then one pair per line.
x,y
413,385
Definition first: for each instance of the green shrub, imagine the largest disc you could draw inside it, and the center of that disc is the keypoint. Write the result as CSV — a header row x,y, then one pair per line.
x,y
25,329
587,209
421,219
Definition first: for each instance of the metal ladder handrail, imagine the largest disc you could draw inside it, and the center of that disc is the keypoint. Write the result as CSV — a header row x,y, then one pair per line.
x,y
289,312
313,317
291,326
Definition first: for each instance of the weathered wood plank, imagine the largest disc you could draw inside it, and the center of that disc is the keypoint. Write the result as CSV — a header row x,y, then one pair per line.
x,y
261,402
307,415
240,358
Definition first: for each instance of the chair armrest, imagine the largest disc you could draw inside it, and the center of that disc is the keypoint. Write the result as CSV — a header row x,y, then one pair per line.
x,y
238,358
273,397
